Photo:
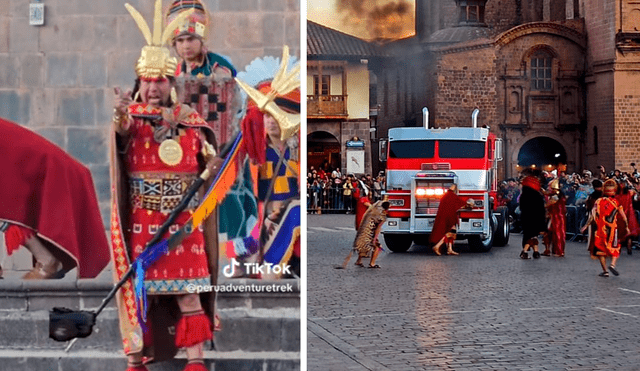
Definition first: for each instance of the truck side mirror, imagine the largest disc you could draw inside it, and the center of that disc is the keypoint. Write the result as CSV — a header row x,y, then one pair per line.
x,y
498,153
382,150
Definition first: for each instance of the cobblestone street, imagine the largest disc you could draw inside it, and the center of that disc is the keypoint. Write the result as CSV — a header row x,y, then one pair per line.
x,y
475,311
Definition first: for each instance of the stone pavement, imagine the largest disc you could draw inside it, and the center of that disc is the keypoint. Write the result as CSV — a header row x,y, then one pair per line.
x,y
489,311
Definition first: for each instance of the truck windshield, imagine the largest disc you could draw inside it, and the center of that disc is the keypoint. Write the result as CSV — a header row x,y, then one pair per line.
x,y
461,149
412,149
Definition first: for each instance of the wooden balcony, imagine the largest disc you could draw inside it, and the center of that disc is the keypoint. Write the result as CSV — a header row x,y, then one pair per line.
x,y
326,106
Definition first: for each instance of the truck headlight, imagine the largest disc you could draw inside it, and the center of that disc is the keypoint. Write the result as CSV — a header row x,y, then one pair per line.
x,y
393,223
476,224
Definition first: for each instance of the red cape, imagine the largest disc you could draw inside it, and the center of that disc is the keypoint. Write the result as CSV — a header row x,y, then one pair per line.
x,y
447,215
45,189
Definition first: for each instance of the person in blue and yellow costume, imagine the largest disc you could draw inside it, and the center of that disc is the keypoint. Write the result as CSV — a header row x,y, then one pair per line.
x,y
189,42
270,130
158,149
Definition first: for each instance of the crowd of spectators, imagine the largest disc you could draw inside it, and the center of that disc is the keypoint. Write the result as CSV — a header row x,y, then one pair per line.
x,y
331,191
576,188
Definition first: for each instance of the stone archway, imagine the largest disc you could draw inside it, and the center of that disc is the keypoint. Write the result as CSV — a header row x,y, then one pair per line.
x,y
323,148
542,152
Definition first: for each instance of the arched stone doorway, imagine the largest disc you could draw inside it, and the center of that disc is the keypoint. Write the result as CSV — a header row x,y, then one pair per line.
x,y
323,148
542,152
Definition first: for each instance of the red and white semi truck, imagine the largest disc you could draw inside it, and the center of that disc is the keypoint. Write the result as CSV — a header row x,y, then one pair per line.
x,y
422,164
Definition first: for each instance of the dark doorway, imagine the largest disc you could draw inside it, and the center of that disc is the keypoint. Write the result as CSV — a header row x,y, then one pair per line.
x,y
323,149
542,152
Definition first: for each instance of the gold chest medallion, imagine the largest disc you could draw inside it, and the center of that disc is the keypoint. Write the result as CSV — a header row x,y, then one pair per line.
x,y
170,152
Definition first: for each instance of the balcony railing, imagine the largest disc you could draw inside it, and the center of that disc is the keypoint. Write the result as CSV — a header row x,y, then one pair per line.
x,y
326,105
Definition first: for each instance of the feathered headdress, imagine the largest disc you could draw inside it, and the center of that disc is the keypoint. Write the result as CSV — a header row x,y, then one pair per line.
x,y
272,97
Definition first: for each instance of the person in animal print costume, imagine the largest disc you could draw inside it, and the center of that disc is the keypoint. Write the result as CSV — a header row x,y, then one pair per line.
x,y
366,243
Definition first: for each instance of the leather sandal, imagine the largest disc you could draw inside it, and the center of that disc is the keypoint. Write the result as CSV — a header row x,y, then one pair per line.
x,y
614,270
604,274
374,266
43,272
524,255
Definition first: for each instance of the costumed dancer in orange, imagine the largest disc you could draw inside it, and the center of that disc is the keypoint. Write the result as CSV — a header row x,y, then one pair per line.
x,y
557,227
49,206
604,217
444,227
159,148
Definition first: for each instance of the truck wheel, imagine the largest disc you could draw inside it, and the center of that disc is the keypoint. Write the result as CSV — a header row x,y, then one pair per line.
x,y
478,244
502,232
398,242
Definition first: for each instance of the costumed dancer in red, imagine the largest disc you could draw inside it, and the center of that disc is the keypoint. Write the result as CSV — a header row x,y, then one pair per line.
x,y
159,148
444,227
624,197
557,227
604,217
532,213
49,205
362,195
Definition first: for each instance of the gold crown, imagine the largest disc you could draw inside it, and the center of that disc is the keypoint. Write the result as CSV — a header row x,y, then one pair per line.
x,y
156,60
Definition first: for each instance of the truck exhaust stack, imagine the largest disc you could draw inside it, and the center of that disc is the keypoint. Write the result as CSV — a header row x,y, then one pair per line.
x,y
425,118
474,117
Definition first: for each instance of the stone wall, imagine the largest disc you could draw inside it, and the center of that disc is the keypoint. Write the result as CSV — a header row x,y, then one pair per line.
x,y
465,81
58,79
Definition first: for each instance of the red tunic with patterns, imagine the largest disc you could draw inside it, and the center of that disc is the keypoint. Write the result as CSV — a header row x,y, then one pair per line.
x,y
558,225
606,211
155,189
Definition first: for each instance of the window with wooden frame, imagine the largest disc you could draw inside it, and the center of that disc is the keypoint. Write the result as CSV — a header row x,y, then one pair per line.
x,y
472,11
321,85
541,71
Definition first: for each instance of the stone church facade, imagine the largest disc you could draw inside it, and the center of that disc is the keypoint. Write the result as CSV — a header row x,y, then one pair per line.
x,y
559,72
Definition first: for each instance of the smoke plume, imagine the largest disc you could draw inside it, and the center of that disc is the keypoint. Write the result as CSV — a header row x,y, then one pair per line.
x,y
378,19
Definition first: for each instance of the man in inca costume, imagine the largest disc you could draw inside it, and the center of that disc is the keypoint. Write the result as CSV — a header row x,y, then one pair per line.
x,y
532,213
158,149
270,135
555,239
189,42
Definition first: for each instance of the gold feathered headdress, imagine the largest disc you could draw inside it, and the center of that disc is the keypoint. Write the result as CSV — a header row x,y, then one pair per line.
x,y
156,60
283,83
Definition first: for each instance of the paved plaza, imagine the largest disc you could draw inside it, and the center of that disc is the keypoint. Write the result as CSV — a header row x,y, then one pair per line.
x,y
475,311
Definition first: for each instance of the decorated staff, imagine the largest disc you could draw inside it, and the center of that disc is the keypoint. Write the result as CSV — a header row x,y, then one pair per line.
x,y
159,148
